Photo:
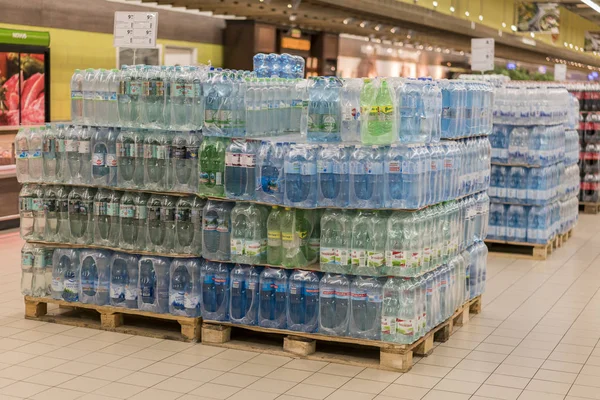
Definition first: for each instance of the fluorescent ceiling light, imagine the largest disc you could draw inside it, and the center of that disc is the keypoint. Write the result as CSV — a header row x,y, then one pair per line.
x,y
592,5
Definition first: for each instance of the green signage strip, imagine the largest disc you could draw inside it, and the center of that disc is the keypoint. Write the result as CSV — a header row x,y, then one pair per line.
x,y
28,38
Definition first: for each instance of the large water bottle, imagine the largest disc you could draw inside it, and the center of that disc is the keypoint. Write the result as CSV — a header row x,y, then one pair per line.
x,y
124,271
106,218
336,236
244,289
66,275
273,295
157,161
185,289
112,107
56,213
182,98
212,166
334,304
296,230
133,217
516,218
130,158
50,172
161,224
35,155
83,169
151,98
333,176
28,205
518,151
100,116
215,294
27,260
366,177
81,202
216,230
269,172
22,155
240,175
366,294
184,161
248,234
89,96
153,284
77,97
95,277
274,243
378,113
188,225
368,243
303,301
301,176
104,157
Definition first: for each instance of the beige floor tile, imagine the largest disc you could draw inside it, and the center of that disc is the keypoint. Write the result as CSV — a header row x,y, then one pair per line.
x,y
562,366
498,392
422,381
379,375
178,385
310,391
555,376
272,385
507,381
405,392
364,386
328,380
450,385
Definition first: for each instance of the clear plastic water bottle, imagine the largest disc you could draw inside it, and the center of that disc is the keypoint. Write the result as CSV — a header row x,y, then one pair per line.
x,y
95,277
66,275
333,163
378,114
106,218
50,172
302,307
273,293
160,224
516,229
22,155
104,160
130,158
186,287
216,230
84,156
124,271
81,202
184,161
248,234
153,284
35,159
157,161
240,167
368,243
212,167
334,304
215,293
269,172
27,259
101,95
77,97
89,96
133,216
244,289
301,176
336,236
366,297
188,225
366,177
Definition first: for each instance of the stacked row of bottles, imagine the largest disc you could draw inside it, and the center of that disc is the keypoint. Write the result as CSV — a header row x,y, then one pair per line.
x,y
372,177
409,244
105,156
532,104
532,224
533,186
278,65
392,309
538,146
589,158
587,94
125,220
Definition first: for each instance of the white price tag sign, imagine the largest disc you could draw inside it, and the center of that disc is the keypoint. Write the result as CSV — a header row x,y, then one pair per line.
x,y
482,54
560,72
135,29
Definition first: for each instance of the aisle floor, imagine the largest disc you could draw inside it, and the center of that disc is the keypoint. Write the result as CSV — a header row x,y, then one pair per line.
x,y
537,338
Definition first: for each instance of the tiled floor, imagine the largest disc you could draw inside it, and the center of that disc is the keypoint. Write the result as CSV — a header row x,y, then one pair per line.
x,y
537,338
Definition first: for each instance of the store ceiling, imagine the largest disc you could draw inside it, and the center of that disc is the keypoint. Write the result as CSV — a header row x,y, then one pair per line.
x,y
388,20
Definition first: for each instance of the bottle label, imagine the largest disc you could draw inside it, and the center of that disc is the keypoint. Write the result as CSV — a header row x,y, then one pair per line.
x,y
117,291
395,258
154,213
327,255
374,298
26,259
23,154
375,259
71,286
177,299
49,148
368,168
359,257
388,325
112,209
210,223
150,151
393,167
342,294
302,168
314,244
84,146
98,159
405,326
409,168
57,284
141,212
340,168
100,208
135,88
25,204
163,152
414,260
342,256
233,159
426,254
237,247
76,95
71,145
222,225
191,152
35,154
254,247
191,301
130,292
127,211
183,214
287,240
327,293
167,214
274,238
248,160
111,160
178,152
330,123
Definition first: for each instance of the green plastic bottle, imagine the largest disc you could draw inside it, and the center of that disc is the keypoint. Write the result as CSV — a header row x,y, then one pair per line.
x,y
377,110
212,166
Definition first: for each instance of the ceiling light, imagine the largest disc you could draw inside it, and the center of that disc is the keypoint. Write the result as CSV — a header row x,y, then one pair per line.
x,y
571,45
363,24
452,9
513,28
435,3
480,17
504,24
467,13
377,27
347,21
592,5
393,30
566,44
532,34
289,6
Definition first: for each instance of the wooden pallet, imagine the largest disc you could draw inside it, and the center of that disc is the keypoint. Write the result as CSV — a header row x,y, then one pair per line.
x,y
116,319
530,251
344,350
589,208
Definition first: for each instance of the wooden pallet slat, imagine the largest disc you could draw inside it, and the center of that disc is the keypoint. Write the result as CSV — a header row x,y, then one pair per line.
x,y
114,319
589,208
532,251
317,346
